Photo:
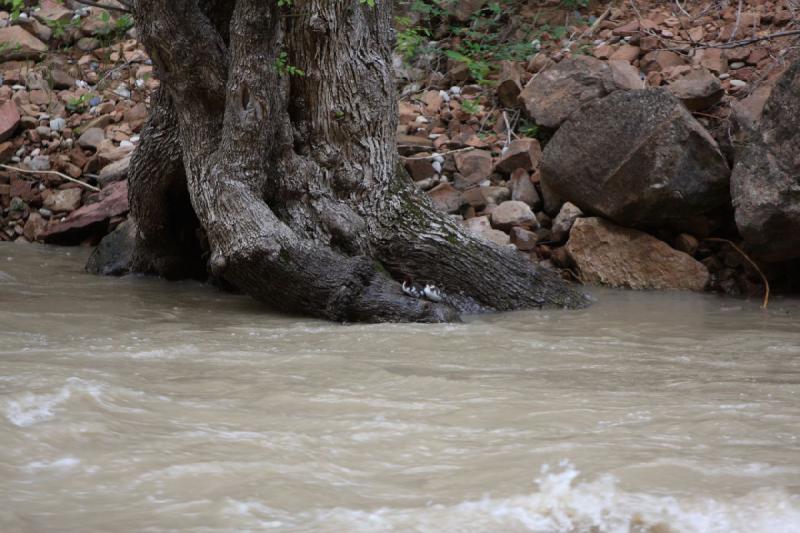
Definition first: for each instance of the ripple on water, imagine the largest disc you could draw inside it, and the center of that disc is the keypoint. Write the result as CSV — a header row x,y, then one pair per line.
x,y
28,409
561,503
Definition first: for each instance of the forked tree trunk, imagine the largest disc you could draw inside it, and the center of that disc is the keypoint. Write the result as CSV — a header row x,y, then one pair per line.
x,y
294,176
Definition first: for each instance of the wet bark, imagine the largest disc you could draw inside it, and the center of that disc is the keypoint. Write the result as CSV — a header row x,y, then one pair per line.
x,y
284,135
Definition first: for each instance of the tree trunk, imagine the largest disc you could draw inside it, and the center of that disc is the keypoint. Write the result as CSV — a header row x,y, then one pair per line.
x,y
283,135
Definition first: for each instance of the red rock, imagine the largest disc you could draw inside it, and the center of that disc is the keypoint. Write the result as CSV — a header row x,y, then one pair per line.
x,y
714,59
603,51
481,227
698,90
660,60
112,201
9,120
420,167
513,213
62,200
25,189
523,239
34,227
620,257
509,83
475,165
16,43
649,42
523,190
445,197
626,53
53,11
757,55
522,153
432,100
629,28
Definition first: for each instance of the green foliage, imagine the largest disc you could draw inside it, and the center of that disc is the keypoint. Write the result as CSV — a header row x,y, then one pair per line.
x,y
112,28
410,40
14,6
574,4
482,42
79,104
469,106
284,68
528,129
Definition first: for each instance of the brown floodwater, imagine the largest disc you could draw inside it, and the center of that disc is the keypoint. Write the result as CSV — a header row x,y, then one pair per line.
x,y
139,405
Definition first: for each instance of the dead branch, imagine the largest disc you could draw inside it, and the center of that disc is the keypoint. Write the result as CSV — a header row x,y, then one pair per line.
x,y
752,263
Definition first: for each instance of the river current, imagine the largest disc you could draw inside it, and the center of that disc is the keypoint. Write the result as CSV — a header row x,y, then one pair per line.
x,y
140,405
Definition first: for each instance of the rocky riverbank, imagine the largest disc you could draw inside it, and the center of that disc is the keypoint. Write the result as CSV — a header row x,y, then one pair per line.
x,y
641,145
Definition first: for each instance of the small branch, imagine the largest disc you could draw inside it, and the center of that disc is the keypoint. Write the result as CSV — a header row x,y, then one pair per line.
x,y
53,172
593,28
734,44
434,156
738,18
508,130
753,263
678,3
92,3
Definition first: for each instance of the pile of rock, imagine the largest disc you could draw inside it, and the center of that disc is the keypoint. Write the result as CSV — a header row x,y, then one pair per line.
x,y
643,133
72,103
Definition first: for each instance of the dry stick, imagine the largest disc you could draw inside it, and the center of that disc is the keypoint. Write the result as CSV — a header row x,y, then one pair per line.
x,y
434,156
678,3
92,3
753,263
738,18
734,44
593,28
508,129
68,178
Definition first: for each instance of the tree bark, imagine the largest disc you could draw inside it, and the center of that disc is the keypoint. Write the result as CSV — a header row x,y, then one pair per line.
x,y
283,132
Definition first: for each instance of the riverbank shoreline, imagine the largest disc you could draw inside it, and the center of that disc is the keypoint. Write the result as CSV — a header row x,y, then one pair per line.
x,y
510,138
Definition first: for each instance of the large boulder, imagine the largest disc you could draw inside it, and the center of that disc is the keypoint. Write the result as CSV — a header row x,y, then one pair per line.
x,y
607,254
640,159
554,94
765,185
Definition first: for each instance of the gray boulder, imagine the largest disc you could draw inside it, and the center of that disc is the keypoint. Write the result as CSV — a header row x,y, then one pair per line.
x,y
114,254
765,185
640,159
554,94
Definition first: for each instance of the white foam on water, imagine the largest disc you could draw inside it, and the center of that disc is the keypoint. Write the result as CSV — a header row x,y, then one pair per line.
x,y
6,278
561,504
33,408
65,463
29,409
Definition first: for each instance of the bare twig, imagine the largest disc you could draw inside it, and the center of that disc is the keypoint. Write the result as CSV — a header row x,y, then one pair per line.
x,y
752,263
738,18
434,156
508,130
593,28
678,3
734,44
92,3
53,172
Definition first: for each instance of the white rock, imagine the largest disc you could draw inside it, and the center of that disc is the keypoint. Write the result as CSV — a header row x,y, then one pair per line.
x,y
58,124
